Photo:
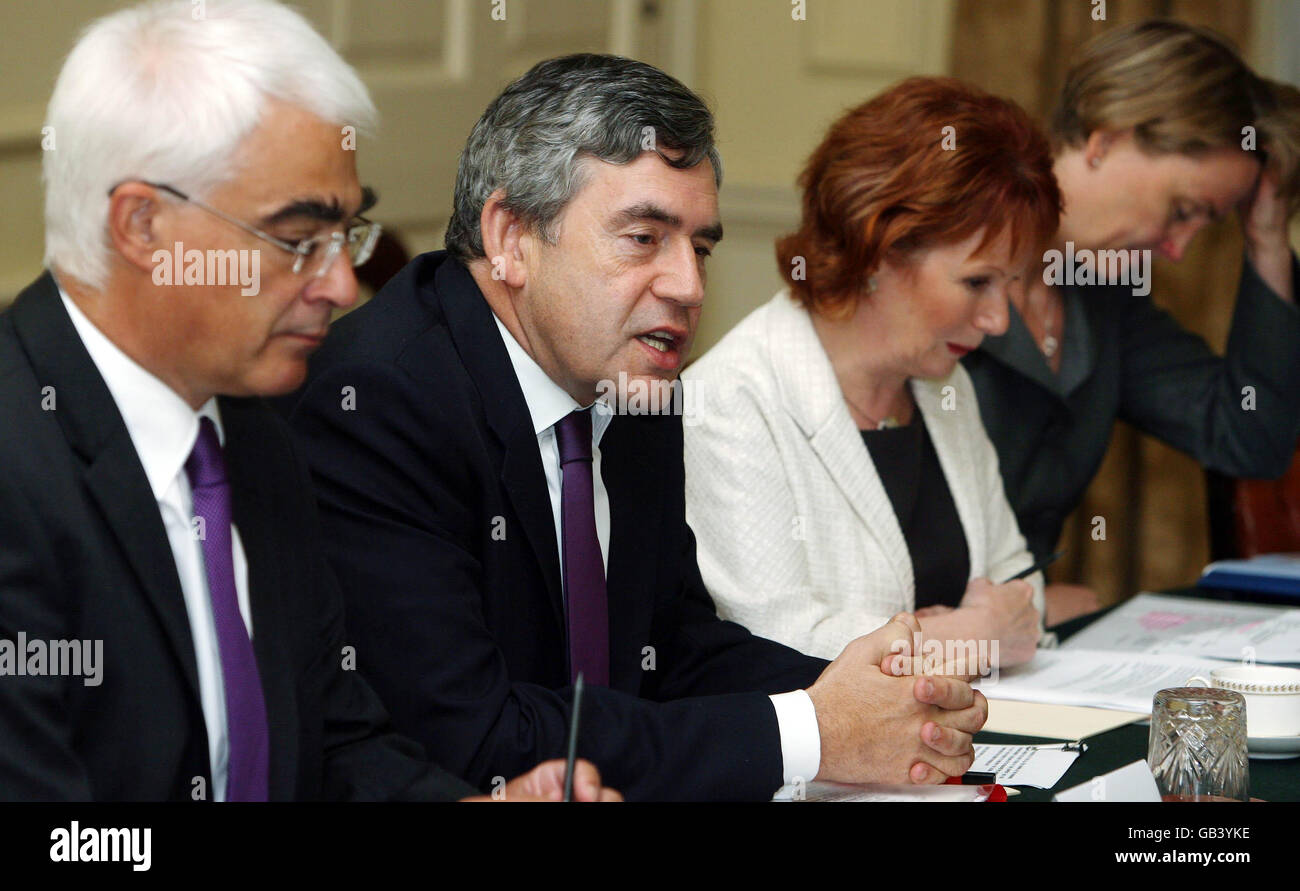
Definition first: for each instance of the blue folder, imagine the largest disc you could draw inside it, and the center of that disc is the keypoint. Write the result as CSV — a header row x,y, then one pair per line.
x,y
1268,573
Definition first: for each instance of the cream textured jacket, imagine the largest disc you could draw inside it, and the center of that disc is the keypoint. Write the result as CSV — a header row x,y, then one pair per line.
x,y
797,538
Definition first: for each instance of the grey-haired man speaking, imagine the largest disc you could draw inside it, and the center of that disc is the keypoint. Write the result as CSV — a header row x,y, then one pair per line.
x,y
495,534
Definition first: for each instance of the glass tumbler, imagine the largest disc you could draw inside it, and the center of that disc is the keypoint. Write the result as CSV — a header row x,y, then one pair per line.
x,y
1197,747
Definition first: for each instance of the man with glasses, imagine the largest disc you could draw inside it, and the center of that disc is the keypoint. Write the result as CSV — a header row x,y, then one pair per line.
x,y
168,626
311,256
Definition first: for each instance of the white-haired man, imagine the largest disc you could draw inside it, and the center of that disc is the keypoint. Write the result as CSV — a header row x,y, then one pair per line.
x,y
170,626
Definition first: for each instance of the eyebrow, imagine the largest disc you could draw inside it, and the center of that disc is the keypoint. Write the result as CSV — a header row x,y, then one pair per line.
x,y
649,211
316,209
986,268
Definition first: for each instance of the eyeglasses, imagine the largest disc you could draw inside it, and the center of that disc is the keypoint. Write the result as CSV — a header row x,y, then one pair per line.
x,y
314,255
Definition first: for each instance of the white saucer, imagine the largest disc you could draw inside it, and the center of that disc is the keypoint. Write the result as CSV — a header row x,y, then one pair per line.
x,y
1273,748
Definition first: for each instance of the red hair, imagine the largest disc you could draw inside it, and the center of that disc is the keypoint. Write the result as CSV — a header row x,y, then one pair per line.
x,y
891,178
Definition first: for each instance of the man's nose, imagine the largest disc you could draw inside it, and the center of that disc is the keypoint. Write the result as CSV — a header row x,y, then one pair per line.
x,y
338,284
682,281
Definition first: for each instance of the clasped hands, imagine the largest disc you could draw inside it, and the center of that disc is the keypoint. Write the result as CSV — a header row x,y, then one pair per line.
x,y
883,721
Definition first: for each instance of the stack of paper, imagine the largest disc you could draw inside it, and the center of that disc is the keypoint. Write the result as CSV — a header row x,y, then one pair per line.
x,y
1099,678
1038,766
1153,623
1064,722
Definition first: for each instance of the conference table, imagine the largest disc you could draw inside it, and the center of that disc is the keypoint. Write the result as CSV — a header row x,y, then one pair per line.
x,y
1269,780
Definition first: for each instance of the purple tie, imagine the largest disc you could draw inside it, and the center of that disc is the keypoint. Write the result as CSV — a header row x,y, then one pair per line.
x,y
584,571
247,768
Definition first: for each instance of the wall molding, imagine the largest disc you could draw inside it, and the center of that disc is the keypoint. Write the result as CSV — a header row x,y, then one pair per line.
x,y
746,204
20,128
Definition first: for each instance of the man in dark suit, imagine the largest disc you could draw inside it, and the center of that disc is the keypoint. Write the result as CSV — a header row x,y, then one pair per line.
x,y
168,626
495,534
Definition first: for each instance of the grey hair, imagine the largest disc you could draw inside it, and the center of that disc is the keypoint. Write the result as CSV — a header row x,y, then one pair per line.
x,y
534,140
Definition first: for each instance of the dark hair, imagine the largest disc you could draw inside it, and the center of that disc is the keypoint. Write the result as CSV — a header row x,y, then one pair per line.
x,y
533,139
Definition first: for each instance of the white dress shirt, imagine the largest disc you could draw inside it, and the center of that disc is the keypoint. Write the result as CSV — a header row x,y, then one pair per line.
x,y
163,429
548,403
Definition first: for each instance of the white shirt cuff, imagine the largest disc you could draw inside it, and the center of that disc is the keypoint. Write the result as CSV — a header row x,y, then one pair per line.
x,y
801,741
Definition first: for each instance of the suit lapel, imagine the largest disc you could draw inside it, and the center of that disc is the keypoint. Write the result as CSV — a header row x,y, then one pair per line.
x,y
1016,350
811,394
627,452
524,480
266,548
844,455
478,342
1080,347
114,475
120,488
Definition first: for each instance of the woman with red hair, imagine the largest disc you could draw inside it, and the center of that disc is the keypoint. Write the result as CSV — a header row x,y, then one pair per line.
x,y
838,470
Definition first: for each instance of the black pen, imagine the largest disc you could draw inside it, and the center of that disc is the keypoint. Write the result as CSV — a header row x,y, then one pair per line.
x,y
573,739
1041,564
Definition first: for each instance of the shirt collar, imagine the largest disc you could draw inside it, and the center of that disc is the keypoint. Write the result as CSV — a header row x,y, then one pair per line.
x,y
161,424
547,401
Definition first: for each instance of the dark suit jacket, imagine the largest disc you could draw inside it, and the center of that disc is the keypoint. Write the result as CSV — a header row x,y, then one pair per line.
x,y
1125,358
84,555
438,522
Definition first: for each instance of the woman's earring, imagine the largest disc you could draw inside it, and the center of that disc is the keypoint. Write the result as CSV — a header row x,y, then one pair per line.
x,y
871,284
1094,162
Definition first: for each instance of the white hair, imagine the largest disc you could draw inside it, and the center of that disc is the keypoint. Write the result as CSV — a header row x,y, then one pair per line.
x,y
166,91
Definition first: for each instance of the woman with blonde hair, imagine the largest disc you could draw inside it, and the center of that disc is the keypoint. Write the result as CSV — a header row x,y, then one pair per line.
x,y
1160,129
837,471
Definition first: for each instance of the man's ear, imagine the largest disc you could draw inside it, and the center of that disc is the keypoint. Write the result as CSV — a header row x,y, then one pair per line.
x,y
133,209
506,241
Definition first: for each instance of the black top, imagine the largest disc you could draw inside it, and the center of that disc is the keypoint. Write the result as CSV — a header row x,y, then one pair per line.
x,y
1124,358
909,468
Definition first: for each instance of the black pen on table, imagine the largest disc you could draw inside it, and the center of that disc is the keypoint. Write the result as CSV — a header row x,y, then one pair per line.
x,y
572,757
1040,565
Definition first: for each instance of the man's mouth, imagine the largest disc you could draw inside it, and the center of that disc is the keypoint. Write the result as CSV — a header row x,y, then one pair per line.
x,y
661,341
312,337
664,347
